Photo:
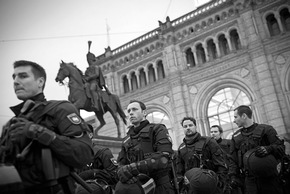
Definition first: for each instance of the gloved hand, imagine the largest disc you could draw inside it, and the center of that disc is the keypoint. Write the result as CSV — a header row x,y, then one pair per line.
x,y
26,128
262,151
235,183
87,174
127,172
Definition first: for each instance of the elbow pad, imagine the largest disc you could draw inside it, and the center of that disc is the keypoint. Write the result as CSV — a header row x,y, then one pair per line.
x,y
151,164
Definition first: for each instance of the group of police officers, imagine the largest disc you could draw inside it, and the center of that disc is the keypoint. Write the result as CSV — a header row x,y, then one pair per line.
x,y
47,148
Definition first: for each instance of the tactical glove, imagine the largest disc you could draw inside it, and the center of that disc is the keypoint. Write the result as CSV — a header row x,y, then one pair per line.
x,y
127,172
262,151
87,175
24,127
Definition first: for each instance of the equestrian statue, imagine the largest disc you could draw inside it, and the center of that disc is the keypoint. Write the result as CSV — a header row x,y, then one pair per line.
x,y
89,92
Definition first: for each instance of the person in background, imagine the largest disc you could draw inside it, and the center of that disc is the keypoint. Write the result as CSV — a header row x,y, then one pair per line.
x,y
217,133
255,152
146,149
202,152
45,140
102,169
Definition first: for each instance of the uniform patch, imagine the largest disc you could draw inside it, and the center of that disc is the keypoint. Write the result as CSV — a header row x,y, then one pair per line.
x,y
114,161
74,118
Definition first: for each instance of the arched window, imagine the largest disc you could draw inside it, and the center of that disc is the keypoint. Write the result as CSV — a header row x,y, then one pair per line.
x,y
189,58
160,70
285,18
134,81
272,25
142,78
200,53
162,118
235,40
125,84
221,107
223,43
212,52
151,74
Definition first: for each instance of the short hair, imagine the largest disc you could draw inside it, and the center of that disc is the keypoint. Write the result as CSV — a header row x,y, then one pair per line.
x,y
142,105
219,127
188,118
37,70
244,109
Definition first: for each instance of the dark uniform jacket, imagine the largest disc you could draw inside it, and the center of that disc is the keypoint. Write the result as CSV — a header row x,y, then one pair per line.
x,y
198,151
104,166
252,137
145,142
72,148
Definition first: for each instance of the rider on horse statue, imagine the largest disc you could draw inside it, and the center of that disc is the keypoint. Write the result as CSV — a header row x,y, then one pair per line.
x,y
95,82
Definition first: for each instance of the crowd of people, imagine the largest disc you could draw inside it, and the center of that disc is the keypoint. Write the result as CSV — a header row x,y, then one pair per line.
x,y
46,148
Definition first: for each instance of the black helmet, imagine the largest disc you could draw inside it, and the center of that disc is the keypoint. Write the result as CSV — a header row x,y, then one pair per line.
x,y
144,185
260,166
98,187
201,180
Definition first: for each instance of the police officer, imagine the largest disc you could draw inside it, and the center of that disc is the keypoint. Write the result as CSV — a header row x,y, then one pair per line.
x,y
45,139
95,80
216,132
198,151
103,168
146,149
264,140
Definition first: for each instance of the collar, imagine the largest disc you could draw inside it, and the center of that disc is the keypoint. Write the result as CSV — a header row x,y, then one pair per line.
x,y
135,130
249,129
192,139
17,109
219,140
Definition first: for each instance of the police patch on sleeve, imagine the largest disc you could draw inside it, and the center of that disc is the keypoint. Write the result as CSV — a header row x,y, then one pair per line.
x,y
114,161
74,118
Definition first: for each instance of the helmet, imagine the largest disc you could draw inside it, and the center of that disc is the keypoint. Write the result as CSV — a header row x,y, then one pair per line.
x,y
201,180
10,181
98,187
144,185
260,166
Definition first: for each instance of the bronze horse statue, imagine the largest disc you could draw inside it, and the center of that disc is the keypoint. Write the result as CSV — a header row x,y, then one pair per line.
x,y
80,99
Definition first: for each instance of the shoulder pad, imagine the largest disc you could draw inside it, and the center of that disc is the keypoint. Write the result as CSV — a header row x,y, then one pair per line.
x,y
181,146
126,139
238,132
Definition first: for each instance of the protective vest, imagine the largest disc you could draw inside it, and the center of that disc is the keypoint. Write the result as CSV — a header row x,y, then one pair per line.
x,y
193,153
140,146
247,141
52,167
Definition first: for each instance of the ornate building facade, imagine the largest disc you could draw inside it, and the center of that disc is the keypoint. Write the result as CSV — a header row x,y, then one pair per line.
x,y
204,64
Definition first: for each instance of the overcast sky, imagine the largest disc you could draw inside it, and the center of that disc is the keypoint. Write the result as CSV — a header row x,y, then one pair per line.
x,y
48,31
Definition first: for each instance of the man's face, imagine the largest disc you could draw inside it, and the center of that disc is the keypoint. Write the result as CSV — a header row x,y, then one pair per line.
x,y
25,84
188,127
239,120
136,114
214,132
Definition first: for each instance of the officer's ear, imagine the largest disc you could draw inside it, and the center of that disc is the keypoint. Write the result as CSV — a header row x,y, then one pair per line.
x,y
144,112
244,116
